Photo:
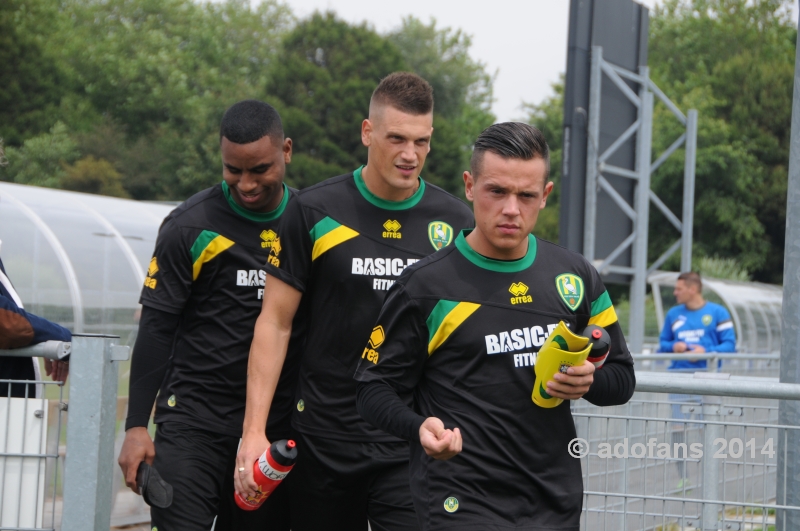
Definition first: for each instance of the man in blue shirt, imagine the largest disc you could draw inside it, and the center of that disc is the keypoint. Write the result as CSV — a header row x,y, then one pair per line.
x,y
693,326
19,328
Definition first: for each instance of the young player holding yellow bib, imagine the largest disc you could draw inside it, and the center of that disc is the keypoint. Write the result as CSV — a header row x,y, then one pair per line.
x,y
459,335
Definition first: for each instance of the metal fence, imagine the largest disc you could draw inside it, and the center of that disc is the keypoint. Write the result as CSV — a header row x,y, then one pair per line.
x,y
688,452
34,447
740,363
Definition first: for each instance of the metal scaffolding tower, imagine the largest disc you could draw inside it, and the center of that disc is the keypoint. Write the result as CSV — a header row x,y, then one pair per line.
x,y
638,212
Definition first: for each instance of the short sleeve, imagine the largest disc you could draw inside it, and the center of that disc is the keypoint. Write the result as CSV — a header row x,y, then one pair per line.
x,y
291,260
169,275
396,350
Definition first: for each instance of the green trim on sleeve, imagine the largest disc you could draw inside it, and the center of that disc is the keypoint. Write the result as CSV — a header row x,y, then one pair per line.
x,y
200,244
385,204
601,304
323,227
445,318
438,314
256,216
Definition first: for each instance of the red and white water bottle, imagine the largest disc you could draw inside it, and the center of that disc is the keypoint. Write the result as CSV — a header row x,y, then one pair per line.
x,y
268,471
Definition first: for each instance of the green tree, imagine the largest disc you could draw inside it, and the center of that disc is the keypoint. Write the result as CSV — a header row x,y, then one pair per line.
x,y
733,60
93,176
41,160
32,82
159,74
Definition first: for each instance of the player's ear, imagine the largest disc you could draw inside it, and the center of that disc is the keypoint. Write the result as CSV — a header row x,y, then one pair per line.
x,y
366,132
469,185
287,150
547,189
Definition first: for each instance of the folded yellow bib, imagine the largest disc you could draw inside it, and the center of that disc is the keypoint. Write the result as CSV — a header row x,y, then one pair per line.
x,y
561,350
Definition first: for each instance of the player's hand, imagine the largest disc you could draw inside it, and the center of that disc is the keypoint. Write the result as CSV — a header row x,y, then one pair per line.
x,y
58,370
250,450
574,384
138,447
698,349
438,442
679,347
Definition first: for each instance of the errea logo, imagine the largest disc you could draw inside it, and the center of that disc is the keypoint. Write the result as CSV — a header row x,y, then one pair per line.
x,y
392,226
274,251
152,269
519,290
268,237
376,339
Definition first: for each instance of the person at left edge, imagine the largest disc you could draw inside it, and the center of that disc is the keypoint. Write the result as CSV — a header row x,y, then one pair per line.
x,y
19,328
200,301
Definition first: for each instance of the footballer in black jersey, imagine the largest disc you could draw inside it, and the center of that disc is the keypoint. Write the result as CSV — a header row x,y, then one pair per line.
x,y
457,339
343,246
200,299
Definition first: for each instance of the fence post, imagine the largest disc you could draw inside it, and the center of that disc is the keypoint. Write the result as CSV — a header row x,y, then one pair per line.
x,y
710,408
88,465
788,487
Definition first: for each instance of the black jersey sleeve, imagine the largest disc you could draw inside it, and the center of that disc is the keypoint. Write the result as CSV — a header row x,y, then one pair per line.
x,y
396,348
380,405
149,363
291,260
614,382
169,276
391,364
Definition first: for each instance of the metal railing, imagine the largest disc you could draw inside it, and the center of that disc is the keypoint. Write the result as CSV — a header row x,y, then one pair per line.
x,y
89,450
767,365
688,452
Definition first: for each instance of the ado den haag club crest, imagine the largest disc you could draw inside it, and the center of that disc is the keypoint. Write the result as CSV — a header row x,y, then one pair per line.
x,y
570,288
440,234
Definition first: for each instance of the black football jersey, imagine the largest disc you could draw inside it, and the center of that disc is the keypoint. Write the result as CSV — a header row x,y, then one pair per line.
x,y
208,267
458,337
344,247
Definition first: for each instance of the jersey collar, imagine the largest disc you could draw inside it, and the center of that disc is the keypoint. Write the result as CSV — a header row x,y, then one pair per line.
x,y
499,266
256,216
385,204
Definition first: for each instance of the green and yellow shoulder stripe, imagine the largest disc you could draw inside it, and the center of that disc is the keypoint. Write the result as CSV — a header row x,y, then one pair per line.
x,y
205,248
327,234
603,313
445,318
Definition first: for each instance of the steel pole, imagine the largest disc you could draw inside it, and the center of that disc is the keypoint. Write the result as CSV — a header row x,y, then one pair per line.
x,y
687,223
788,477
592,154
642,203
89,462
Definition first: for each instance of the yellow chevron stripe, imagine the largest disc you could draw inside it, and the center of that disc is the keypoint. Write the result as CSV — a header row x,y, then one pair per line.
x,y
214,247
449,324
332,239
605,318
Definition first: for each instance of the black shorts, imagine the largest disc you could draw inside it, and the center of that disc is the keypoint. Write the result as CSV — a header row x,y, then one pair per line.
x,y
200,465
340,485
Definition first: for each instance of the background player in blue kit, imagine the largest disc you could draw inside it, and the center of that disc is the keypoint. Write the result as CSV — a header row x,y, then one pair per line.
x,y
693,326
